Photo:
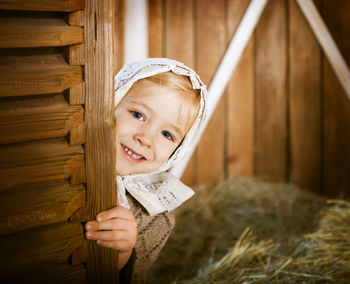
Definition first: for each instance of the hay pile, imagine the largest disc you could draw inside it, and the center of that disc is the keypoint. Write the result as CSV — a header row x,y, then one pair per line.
x,y
324,257
279,214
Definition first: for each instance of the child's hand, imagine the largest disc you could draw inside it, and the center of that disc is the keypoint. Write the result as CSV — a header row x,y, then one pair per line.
x,y
115,228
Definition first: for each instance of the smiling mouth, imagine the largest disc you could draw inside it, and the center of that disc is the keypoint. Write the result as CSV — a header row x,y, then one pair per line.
x,y
131,154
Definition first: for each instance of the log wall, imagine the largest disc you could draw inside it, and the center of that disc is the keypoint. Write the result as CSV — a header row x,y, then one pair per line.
x,y
56,99
284,115
42,134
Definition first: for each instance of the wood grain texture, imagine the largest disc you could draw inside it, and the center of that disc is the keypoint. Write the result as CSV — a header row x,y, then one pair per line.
x,y
76,18
43,5
304,102
100,144
179,14
62,273
119,35
36,75
76,94
34,118
211,43
77,135
38,248
31,205
76,54
336,134
38,161
271,97
240,103
36,32
156,28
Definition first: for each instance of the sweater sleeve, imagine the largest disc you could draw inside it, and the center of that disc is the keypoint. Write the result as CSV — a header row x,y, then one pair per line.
x,y
153,232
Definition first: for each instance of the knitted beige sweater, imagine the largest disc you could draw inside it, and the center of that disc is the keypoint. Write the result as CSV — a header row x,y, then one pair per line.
x,y
152,234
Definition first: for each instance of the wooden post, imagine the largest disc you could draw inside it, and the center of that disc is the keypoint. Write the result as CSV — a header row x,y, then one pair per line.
x,y
327,43
101,265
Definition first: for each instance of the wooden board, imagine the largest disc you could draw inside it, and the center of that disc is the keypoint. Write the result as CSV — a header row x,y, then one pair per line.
x,y
34,118
31,205
38,161
178,15
210,47
36,75
119,35
37,248
100,147
42,5
62,273
271,97
156,28
240,102
36,32
336,134
304,102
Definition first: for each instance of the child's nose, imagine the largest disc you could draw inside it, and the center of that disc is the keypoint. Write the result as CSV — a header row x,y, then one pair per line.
x,y
144,139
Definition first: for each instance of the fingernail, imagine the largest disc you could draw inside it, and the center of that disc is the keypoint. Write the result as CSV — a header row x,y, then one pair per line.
x,y
88,227
88,235
98,242
99,218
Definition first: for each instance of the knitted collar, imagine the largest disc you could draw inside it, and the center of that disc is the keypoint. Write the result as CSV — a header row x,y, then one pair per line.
x,y
158,191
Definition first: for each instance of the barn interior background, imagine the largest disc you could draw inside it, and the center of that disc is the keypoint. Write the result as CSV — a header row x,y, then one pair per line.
x,y
284,117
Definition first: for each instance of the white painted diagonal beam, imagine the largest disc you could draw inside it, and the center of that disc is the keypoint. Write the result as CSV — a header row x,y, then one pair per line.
x,y
327,43
227,67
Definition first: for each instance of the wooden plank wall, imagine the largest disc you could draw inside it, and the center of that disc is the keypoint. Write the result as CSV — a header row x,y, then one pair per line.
x,y
284,116
42,170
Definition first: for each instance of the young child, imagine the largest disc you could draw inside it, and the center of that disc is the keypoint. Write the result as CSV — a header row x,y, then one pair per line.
x,y
160,107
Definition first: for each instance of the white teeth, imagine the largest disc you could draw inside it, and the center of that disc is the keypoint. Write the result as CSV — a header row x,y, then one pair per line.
x,y
132,154
136,156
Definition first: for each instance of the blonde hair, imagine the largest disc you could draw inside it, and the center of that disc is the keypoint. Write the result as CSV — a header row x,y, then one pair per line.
x,y
179,83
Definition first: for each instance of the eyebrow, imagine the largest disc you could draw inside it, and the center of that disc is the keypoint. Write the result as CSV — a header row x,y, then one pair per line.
x,y
142,104
177,129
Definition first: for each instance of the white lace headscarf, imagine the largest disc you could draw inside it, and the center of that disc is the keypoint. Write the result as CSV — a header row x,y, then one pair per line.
x,y
158,191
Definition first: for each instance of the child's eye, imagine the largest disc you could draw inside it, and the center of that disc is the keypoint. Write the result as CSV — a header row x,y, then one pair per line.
x,y
167,135
137,115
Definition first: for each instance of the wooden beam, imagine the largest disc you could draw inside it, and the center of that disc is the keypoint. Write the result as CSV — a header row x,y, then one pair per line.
x,y
178,15
31,251
38,32
25,119
304,102
156,27
211,39
240,102
271,94
31,205
62,273
327,43
100,147
38,161
42,5
36,75
336,107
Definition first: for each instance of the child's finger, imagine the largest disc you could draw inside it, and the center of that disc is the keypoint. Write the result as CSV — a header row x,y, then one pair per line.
x,y
111,224
108,235
115,212
120,245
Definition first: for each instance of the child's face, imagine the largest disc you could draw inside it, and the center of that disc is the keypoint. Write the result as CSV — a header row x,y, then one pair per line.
x,y
150,124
